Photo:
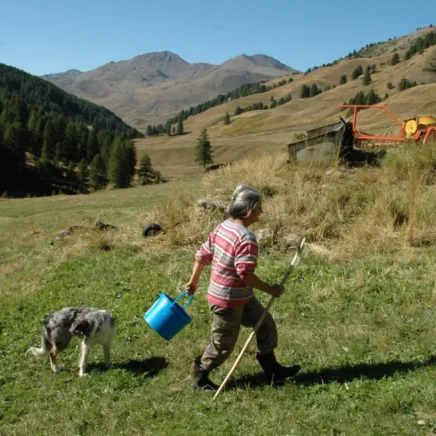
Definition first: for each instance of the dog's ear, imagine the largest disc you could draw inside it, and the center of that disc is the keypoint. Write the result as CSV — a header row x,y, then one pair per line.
x,y
82,327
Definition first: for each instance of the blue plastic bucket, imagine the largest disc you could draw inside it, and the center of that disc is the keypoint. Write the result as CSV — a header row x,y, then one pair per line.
x,y
166,317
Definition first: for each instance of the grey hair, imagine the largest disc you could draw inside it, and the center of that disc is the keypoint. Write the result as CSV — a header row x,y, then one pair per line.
x,y
244,200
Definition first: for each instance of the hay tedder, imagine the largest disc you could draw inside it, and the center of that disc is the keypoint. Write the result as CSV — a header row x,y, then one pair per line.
x,y
339,140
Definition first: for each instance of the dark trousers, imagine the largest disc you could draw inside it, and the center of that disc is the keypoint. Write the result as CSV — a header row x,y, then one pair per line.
x,y
226,324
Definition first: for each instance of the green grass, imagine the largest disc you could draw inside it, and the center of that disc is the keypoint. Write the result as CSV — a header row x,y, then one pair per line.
x,y
363,331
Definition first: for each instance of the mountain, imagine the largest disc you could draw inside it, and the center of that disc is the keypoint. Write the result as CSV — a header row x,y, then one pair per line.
x,y
252,131
153,87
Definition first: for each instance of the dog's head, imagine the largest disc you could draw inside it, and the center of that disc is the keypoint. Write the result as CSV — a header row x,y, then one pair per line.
x,y
81,327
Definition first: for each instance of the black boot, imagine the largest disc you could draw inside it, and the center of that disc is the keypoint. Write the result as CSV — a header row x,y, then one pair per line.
x,y
200,377
275,372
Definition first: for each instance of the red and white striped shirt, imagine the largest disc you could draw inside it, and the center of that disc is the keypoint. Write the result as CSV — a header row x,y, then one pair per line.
x,y
233,251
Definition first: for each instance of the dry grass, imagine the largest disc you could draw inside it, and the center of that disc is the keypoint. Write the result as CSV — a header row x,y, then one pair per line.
x,y
348,213
264,173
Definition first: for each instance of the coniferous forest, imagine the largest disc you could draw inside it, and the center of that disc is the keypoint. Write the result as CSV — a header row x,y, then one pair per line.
x,y
52,141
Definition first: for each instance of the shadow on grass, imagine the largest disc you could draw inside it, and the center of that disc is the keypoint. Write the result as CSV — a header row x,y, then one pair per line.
x,y
360,158
342,374
148,367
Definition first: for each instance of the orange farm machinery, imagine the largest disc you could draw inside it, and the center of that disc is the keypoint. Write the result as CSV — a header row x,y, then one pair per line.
x,y
417,129
338,140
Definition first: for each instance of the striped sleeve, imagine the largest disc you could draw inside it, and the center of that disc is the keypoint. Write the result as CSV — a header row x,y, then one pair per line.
x,y
246,255
204,254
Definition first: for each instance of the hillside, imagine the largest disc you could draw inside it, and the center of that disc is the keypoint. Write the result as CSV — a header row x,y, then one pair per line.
x,y
35,91
358,313
51,140
152,87
263,130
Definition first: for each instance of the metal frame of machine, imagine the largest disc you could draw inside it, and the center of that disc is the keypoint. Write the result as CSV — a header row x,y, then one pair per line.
x,y
426,130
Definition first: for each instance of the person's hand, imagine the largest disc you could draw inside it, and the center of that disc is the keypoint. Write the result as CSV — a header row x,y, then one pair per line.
x,y
276,290
191,287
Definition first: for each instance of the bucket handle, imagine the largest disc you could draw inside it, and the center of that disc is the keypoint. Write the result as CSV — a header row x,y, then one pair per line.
x,y
183,294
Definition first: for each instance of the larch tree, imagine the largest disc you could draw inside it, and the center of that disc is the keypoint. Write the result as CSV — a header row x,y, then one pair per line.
x,y
203,149
97,173
83,175
121,164
180,126
366,78
146,174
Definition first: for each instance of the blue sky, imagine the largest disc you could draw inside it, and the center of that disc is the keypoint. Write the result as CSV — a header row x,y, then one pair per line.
x,y
50,36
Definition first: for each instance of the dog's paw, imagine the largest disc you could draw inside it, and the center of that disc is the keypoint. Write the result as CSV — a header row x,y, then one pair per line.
x,y
55,369
107,365
83,374
32,351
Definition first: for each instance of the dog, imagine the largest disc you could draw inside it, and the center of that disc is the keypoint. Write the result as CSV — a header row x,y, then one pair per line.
x,y
95,326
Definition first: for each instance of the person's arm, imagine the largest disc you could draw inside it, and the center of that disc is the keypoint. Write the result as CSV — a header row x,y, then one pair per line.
x,y
191,286
246,262
203,257
251,279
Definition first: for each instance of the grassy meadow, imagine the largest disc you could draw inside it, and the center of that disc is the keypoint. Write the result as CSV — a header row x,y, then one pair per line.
x,y
358,315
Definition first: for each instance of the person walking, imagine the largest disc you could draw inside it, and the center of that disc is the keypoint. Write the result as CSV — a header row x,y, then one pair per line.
x,y
232,250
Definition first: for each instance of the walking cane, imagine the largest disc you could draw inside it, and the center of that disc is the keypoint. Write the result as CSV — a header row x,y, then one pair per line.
x,y
293,264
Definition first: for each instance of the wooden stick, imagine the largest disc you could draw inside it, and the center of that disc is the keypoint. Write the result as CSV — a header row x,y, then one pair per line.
x,y
293,264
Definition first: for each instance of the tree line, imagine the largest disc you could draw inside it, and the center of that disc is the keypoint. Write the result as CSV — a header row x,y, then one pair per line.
x,y
47,97
174,125
420,44
307,91
51,141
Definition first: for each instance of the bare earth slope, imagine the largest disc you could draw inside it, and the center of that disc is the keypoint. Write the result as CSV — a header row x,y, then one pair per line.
x,y
153,87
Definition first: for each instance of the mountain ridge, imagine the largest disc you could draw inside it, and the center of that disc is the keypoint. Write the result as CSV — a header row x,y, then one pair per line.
x,y
150,88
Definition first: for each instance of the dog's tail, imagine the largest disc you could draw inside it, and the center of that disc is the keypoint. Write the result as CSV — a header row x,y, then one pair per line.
x,y
46,346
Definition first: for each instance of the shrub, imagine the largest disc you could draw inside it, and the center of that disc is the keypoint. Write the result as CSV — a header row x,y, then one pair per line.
x,y
406,84
395,59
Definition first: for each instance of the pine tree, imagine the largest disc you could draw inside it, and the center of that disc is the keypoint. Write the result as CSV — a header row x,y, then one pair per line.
x,y
83,175
203,149
180,126
372,98
49,144
82,132
71,175
97,173
358,71
366,78
227,119
120,165
130,153
167,128
145,173
14,147
70,142
314,90
343,79
92,149
304,91
238,111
